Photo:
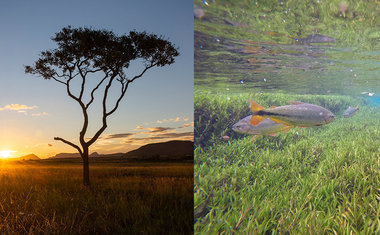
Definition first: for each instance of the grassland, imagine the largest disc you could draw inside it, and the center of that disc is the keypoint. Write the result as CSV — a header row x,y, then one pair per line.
x,y
48,197
318,180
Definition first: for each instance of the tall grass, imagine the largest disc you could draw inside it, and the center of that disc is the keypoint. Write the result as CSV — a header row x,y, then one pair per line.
x,y
140,198
317,180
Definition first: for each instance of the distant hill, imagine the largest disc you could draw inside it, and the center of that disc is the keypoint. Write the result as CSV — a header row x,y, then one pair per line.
x,y
171,149
72,155
26,157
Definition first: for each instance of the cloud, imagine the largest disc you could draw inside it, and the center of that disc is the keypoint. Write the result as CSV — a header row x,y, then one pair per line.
x,y
120,135
153,129
177,119
176,135
159,129
17,107
40,114
139,128
186,125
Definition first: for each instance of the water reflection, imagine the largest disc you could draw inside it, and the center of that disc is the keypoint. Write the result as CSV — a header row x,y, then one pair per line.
x,y
297,68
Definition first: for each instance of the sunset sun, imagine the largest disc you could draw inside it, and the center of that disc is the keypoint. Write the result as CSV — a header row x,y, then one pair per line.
x,y
6,153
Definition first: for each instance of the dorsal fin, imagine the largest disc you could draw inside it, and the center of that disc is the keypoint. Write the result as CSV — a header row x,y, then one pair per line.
x,y
255,106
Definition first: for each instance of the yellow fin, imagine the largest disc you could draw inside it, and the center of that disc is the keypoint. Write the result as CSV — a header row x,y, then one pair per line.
x,y
256,120
272,106
282,122
255,106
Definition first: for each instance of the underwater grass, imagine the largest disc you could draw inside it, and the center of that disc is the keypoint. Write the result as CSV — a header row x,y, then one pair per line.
x,y
215,113
316,180
284,21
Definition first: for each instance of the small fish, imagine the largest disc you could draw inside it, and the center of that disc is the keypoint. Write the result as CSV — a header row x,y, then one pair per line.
x,y
265,127
351,111
297,114
315,38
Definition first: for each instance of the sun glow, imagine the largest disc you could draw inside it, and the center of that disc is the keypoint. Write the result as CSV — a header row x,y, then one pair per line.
x,y
6,153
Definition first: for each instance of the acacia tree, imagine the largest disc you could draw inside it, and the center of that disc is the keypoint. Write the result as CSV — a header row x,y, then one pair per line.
x,y
83,54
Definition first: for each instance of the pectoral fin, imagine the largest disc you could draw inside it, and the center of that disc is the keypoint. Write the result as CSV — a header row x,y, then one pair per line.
x,y
255,120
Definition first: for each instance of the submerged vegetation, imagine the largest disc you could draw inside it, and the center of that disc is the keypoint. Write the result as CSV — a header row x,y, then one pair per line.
x,y
353,24
45,197
309,181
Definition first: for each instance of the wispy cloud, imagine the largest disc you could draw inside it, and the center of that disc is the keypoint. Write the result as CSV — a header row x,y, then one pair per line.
x,y
116,136
152,129
40,114
17,107
176,119
186,125
176,135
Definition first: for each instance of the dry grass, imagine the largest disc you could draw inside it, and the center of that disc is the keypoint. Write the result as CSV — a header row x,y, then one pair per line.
x,y
124,198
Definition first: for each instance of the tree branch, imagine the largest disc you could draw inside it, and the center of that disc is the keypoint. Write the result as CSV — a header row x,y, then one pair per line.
x,y
104,126
69,143
83,80
142,73
123,91
56,79
93,91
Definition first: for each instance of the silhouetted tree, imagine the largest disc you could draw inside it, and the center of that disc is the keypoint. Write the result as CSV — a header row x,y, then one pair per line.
x,y
84,52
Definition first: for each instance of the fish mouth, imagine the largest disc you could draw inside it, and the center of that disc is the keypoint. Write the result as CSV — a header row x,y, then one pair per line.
x,y
330,118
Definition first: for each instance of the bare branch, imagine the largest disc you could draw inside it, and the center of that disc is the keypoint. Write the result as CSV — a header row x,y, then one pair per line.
x,y
93,90
142,73
83,80
69,143
123,91
92,71
104,119
56,79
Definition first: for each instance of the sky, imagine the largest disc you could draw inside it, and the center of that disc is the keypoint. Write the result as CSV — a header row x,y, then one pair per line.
x,y
157,108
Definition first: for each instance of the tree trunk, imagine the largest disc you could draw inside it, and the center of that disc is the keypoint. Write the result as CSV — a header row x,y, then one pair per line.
x,y
86,168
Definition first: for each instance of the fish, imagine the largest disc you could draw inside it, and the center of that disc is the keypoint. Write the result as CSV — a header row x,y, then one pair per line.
x,y
351,111
265,127
315,38
297,114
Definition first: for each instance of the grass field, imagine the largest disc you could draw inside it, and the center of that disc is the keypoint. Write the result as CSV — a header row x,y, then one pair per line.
x,y
48,197
318,180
